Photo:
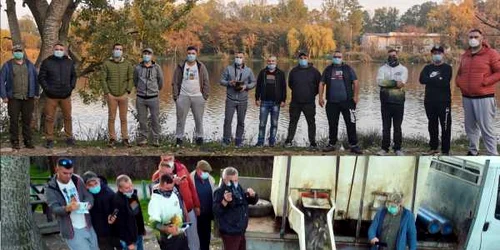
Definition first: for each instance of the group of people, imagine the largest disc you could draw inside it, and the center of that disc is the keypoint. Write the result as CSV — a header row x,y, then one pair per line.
x,y
478,72
93,216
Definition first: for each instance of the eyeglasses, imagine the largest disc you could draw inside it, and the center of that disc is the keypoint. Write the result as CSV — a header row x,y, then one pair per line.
x,y
473,37
65,163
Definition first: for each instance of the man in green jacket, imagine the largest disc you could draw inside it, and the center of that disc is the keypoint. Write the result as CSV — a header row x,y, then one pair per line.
x,y
117,83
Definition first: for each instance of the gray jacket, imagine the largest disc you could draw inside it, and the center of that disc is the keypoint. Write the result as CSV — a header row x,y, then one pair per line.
x,y
148,80
178,75
245,75
57,204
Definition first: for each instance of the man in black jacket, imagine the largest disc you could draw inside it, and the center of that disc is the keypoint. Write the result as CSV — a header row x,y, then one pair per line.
x,y
437,101
231,210
303,80
129,223
342,89
270,95
102,209
58,79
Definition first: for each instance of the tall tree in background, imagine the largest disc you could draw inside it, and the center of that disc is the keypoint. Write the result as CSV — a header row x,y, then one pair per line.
x,y
454,20
346,18
417,15
385,20
19,231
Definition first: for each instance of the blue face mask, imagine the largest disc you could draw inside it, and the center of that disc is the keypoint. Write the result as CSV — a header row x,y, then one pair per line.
x,y
146,58
392,209
204,175
271,66
337,61
129,194
117,53
58,53
18,55
437,58
95,190
303,62
191,58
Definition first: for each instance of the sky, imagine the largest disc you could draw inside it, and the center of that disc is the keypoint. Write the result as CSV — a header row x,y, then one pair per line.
x,y
370,5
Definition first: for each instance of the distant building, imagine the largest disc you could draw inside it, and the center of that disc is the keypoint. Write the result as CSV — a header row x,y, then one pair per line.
x,y
406,42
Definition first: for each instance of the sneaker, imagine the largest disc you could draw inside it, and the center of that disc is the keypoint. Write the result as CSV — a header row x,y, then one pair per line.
x,y
472,154
288,144
399,153
142,143
225,143
178,142
49,144
259,144
238,143
199,141
29,144
70,142
272,144
111,143
356,150
313,146
432,152
382,152
329,148
15,145
126,143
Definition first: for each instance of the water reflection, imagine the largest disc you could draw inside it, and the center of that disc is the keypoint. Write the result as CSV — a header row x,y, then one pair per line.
x,y
91,117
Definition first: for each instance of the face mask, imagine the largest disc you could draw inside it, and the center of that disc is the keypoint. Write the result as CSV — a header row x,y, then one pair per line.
x,y
204,175
392,209
337,61
18,55
303,62
171,164
437,58
95,189
58,53
191,58
392,61
117,53
146,58
129,194
473,42
238,61
271,66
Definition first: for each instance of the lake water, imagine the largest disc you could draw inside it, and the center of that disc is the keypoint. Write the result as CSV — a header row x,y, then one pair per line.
x,y
90,117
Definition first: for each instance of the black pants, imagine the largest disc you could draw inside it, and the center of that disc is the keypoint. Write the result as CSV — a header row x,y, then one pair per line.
x,y
439,113
204,224
309,110
348,110
178,242
392,115
24,109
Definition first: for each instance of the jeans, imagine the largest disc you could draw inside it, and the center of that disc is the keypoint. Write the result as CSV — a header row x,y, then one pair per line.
x,y
138,244
439,113
266,108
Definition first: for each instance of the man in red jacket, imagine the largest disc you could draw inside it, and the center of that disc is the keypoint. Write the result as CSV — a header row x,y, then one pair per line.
x,y
183,182
478,73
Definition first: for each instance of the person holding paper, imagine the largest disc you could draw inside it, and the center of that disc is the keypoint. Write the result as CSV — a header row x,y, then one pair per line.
x,y
70,202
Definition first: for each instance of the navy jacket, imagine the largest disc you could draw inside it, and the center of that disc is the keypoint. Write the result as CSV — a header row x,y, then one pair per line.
x,y
7,79
407,235
233,218
57,77
103,207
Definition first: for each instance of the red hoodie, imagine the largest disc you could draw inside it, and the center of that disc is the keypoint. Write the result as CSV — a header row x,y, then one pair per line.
x,y
186,187
479,72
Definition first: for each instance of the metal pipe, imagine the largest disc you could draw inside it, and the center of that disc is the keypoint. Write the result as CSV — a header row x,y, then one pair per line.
x,y
352,184
287,184
360,215
446,226
415,178
430,224
337,170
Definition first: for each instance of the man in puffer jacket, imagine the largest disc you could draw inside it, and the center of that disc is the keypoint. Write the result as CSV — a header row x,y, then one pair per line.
x,y
478,73
148,80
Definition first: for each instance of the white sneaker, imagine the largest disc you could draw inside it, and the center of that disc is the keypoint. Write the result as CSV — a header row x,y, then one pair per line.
x,y
382,152
399,153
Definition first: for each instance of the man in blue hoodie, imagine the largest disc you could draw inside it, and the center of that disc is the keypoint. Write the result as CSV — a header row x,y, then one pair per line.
x,y
393,225
19,88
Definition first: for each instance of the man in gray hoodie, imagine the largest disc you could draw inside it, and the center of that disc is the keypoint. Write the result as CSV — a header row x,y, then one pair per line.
x,y
238,79
70,202
148,80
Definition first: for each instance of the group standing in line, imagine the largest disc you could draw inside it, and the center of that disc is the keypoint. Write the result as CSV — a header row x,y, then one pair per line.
x,y
478,73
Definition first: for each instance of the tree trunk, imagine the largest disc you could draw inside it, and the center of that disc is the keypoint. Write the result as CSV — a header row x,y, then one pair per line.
x,y
15,32
19,231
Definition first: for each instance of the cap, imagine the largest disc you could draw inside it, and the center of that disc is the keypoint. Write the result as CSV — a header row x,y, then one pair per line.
x,y
65,163
303,53
89,176
437,48
395,197
204,165
17,47
150,50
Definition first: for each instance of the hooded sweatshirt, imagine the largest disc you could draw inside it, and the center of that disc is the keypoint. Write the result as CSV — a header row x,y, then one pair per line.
x,y
304,83
148,80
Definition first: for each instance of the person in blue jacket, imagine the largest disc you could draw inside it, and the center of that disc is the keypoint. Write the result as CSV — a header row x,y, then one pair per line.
x,y
393,225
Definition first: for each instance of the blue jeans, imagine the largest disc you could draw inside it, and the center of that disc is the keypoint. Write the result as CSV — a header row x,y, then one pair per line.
x,y
267,107
138,244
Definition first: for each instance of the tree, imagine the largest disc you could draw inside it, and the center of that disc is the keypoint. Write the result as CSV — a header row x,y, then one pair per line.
x,y
385,20
15,31
317,39
27,25
19,231
417,15
293,41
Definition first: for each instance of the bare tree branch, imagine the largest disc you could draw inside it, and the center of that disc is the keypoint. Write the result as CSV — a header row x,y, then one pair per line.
x,y
485,21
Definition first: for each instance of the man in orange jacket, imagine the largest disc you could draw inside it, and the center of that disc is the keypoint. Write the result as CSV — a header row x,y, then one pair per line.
x,y
478,73
183,182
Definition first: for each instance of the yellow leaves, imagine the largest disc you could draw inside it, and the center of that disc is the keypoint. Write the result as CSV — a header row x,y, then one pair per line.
x,y
318,39
293,41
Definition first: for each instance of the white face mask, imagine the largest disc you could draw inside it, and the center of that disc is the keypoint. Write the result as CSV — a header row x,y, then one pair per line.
x,y
474,42
171,164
